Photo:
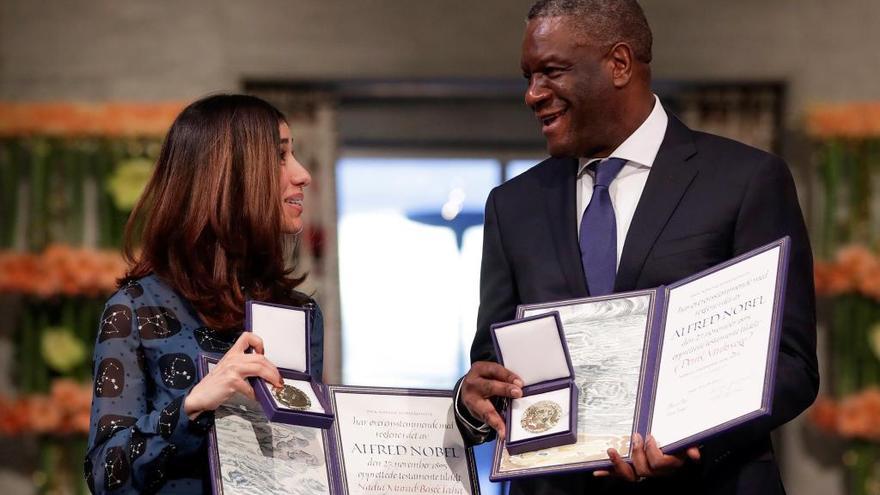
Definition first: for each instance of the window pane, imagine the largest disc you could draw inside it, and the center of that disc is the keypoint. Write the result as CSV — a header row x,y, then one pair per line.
x,y
410,241
516,167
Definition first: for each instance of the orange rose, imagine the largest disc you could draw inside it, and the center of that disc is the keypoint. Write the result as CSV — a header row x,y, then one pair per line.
x,y
80,422
61,269
8,423
856,261
68,393
823,414
46,417
822,277
839,281
860,415
869,282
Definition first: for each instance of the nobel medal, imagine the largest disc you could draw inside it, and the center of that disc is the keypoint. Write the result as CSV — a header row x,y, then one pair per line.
x,y
541,416
292,397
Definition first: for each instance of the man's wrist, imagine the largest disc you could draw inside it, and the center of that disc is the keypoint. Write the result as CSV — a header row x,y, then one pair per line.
x,y
465,415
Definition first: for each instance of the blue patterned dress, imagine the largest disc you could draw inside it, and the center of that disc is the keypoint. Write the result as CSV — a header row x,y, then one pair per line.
x,y
140,440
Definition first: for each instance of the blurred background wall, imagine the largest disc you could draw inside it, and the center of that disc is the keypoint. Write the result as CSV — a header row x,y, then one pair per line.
x,y
403,108
164,50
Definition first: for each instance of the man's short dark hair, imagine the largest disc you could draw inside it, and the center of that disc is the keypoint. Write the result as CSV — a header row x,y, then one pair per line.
x,y
604,21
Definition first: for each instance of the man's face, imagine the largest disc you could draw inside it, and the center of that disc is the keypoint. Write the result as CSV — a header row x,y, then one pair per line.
x,y
570,88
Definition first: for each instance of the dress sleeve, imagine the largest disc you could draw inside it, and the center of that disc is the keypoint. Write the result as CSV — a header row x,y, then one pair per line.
x,y
131,440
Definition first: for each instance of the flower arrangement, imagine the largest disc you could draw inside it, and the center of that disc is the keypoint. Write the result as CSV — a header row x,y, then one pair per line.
x,y
69,175
849,120
63,411
856,416
854,270
850,283
60,270
87,119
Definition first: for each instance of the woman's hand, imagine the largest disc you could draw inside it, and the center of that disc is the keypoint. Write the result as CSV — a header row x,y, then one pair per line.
x,y
230,376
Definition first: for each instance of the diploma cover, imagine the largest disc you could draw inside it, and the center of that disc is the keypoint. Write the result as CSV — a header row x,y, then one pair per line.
x,y
681,362
382,440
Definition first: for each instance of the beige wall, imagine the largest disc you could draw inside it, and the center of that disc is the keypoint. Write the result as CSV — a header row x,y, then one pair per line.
x,y
826,50
169,50
102,49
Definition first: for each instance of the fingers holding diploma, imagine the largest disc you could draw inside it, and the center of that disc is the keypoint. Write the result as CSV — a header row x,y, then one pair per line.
x,y
647,460
484,381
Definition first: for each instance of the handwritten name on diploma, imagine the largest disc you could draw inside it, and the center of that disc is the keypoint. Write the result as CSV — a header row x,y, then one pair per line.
x,y
389,488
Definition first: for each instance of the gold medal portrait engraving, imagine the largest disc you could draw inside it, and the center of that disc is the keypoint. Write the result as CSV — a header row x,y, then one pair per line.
x,y
541,416
292,397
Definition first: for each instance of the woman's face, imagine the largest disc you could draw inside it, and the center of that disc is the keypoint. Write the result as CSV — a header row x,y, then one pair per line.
x,y
294,179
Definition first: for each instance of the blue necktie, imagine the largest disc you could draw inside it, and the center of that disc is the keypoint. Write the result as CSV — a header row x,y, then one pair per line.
x,y
598,236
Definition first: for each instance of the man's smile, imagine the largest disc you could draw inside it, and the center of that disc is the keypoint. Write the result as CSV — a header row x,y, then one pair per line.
x,y
550,119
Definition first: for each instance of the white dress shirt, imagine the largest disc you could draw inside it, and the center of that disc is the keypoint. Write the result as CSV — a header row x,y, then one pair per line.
x,y
639,149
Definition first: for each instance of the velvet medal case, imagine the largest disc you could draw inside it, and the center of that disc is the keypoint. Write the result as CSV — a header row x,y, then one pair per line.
x,y
546,415
285,331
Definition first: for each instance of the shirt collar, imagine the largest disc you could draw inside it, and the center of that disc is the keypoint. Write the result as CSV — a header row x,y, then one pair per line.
x,y
642,146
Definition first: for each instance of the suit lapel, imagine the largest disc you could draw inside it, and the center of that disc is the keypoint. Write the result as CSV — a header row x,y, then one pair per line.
x,y
670,176
559,195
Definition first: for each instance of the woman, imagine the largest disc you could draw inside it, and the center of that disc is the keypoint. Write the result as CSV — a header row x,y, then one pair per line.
x,y
213,219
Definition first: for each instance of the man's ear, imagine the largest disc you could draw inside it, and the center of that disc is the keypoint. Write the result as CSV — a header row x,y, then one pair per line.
x,y
621,60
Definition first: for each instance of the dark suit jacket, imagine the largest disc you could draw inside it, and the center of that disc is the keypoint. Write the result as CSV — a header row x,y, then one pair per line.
x,y
706,200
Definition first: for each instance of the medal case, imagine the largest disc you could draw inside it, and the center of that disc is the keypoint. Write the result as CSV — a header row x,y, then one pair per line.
x,y
535,349
286,331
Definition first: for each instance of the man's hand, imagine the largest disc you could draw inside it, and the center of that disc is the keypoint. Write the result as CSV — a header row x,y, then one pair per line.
x,y
484,381
648,461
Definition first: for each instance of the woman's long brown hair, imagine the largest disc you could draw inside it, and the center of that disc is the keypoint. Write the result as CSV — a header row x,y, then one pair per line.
x,y
209,221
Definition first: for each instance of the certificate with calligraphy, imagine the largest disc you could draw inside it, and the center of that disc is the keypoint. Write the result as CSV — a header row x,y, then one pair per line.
x,y
681,362
383,440
399,441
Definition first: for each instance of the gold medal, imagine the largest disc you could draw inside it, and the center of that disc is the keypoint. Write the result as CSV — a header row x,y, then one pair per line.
x,y
293,398
541,416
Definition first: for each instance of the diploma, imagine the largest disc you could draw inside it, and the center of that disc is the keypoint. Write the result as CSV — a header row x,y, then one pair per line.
x,y
717,357
400,441
383,440
681,362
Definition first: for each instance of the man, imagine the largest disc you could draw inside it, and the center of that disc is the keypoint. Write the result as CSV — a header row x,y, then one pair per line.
x,y
632,199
